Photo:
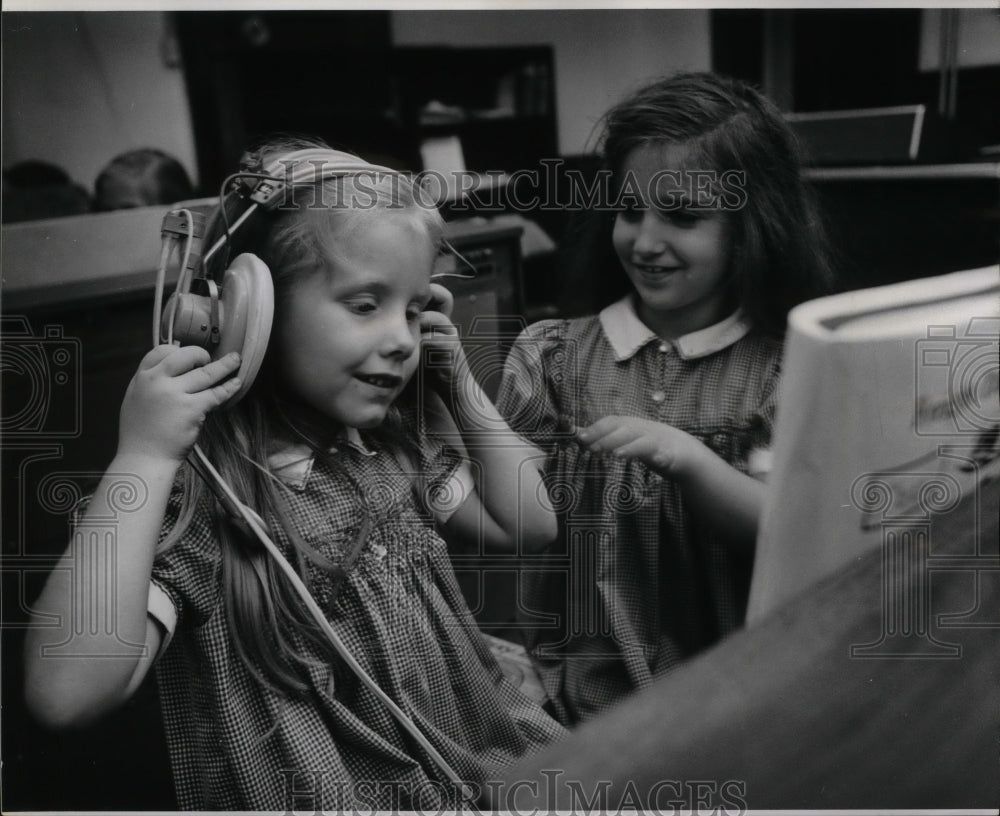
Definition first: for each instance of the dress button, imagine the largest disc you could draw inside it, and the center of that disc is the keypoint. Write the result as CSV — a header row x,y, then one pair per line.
x,y
664,347
658,396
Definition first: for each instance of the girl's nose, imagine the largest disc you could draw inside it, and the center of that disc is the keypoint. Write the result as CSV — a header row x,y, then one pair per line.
x,y
650,237
400,337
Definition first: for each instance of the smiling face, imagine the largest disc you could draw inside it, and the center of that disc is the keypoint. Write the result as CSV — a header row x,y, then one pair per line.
x,y
675,256
347,338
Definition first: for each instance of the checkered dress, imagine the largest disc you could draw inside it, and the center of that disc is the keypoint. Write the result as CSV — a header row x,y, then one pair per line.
x,y
635,584
235,745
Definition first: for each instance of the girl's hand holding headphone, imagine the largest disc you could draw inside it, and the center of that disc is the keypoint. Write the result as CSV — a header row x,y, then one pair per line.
x,y
442,300
171,393
439,336
669,451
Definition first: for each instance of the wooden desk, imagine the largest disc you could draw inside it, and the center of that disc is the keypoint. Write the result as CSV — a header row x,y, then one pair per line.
x,y
63,265
787,718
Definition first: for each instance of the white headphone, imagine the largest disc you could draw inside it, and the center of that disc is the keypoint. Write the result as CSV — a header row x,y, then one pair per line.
x,y
235,313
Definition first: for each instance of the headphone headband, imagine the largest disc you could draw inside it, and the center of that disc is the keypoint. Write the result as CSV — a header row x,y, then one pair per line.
x,y
309,166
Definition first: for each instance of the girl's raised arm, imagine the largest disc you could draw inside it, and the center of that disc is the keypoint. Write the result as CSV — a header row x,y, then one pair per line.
x,y
513,511
91,641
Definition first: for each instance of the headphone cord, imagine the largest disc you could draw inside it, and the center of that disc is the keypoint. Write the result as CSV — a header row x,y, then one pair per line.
x,y
199,461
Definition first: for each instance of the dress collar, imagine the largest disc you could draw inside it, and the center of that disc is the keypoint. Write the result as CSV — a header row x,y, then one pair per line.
x,y
627,333
292,463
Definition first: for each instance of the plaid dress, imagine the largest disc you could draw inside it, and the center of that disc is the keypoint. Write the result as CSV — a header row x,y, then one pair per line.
x,y
235,745
635,583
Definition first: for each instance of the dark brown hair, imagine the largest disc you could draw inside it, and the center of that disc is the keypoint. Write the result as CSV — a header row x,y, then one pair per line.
x,y
778,249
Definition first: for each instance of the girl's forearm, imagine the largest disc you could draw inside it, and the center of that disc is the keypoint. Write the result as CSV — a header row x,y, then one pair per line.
x,y
89,626
723,497
509,480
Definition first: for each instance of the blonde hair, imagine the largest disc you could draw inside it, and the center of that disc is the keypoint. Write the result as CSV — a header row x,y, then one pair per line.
x,y
268,622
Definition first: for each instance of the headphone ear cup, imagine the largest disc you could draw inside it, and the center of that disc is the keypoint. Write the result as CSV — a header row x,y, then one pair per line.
x,y
247,312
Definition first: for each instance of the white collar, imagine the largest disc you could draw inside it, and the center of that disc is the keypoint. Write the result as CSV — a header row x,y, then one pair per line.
x,y
627,333
293,463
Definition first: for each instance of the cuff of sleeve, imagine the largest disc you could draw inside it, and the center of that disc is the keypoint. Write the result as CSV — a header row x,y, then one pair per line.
x,y
447,497
161,609
759,462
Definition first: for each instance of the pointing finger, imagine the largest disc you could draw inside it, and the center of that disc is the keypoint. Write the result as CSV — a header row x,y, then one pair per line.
x,y
597,430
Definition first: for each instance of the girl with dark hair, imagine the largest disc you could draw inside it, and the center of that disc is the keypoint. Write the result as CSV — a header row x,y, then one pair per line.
x,y
656,413
331,448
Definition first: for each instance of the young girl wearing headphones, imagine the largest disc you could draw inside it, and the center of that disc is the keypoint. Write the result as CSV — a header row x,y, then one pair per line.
x,y
374,688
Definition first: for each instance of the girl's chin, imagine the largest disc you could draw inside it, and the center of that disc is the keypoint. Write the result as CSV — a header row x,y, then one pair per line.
x,y
656,303
322,422
365,416
368,422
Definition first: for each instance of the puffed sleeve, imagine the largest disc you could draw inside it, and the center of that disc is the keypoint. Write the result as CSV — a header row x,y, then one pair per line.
x,y
188,571
529,391
185,584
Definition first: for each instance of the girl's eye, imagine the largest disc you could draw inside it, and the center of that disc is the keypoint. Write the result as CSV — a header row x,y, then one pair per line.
x,y
684,218
362,307
630,214
413,314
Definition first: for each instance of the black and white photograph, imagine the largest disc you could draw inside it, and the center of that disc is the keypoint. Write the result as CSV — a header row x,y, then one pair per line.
x,y
500,407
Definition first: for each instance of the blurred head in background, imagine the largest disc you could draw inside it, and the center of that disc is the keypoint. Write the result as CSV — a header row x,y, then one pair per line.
x,y
141,178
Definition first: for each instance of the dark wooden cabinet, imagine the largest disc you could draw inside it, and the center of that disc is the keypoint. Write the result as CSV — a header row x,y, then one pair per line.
x,y
890,224
336,75
845,59
254,73
499,102
891,217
